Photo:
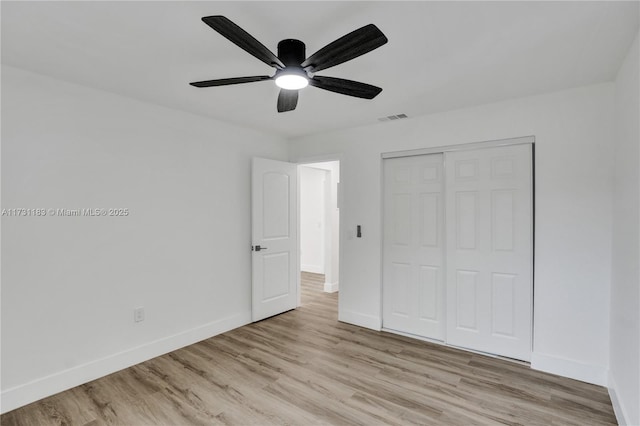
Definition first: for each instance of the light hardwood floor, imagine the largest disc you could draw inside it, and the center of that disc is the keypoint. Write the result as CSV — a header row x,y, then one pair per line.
x,y
304,367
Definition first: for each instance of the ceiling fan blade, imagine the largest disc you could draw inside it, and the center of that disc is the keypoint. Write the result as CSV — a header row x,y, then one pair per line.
x,y
287,100
228,81
345,87
242,39
350,46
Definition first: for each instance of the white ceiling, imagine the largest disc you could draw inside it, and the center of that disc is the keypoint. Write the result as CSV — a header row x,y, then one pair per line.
x,y
440,55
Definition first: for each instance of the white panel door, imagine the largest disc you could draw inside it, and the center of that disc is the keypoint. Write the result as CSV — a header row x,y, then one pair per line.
x,y
413,289
274,237
489,250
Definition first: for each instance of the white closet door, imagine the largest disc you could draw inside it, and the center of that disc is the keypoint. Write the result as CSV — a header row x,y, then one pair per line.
x,y
489,250
413,290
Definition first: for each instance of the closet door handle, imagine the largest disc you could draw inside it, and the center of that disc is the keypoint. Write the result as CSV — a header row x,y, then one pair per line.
x,y
258,248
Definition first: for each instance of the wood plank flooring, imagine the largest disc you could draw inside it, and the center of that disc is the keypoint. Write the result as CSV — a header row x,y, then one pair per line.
x,y
304,368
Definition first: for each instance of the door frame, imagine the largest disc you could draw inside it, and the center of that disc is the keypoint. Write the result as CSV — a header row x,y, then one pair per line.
x,y
460,147
442,150
324,158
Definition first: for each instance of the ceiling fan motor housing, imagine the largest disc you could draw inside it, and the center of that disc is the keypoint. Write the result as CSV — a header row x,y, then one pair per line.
x,y
291,52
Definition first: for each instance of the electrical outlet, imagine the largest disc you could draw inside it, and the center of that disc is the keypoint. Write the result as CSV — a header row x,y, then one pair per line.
x,y
138,314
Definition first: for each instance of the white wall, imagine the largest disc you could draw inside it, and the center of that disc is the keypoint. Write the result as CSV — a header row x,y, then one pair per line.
x,y
332,224
625,295
312,219
573,131
70,284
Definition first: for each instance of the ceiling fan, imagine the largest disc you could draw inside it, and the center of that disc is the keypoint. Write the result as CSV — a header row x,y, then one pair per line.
x,y
293,71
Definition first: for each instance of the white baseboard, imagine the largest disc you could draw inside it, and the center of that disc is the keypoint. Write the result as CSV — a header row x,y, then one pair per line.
x,y
361,320
27,393
595,374
314,269
618,407
330,287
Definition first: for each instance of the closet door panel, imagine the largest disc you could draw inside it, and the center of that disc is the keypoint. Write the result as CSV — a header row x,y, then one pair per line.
x,y
413,287
489,250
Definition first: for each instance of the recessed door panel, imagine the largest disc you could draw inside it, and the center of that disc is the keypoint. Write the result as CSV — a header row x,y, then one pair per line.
x,y
502,219
466,302
429,280
502,167
465,219
465,170
400,291
276,275
429,219
275,213
431,173
503,307
402,219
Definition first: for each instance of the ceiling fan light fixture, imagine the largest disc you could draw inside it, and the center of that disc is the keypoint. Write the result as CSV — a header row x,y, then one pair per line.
x,y
291,81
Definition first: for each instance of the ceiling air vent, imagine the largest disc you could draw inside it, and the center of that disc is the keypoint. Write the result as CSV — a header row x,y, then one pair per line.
x,y
392,117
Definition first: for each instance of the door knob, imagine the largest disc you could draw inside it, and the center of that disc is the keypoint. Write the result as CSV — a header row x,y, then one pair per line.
x,y
258,248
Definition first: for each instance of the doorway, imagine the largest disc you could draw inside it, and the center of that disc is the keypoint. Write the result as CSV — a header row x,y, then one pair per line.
x,y
319,220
